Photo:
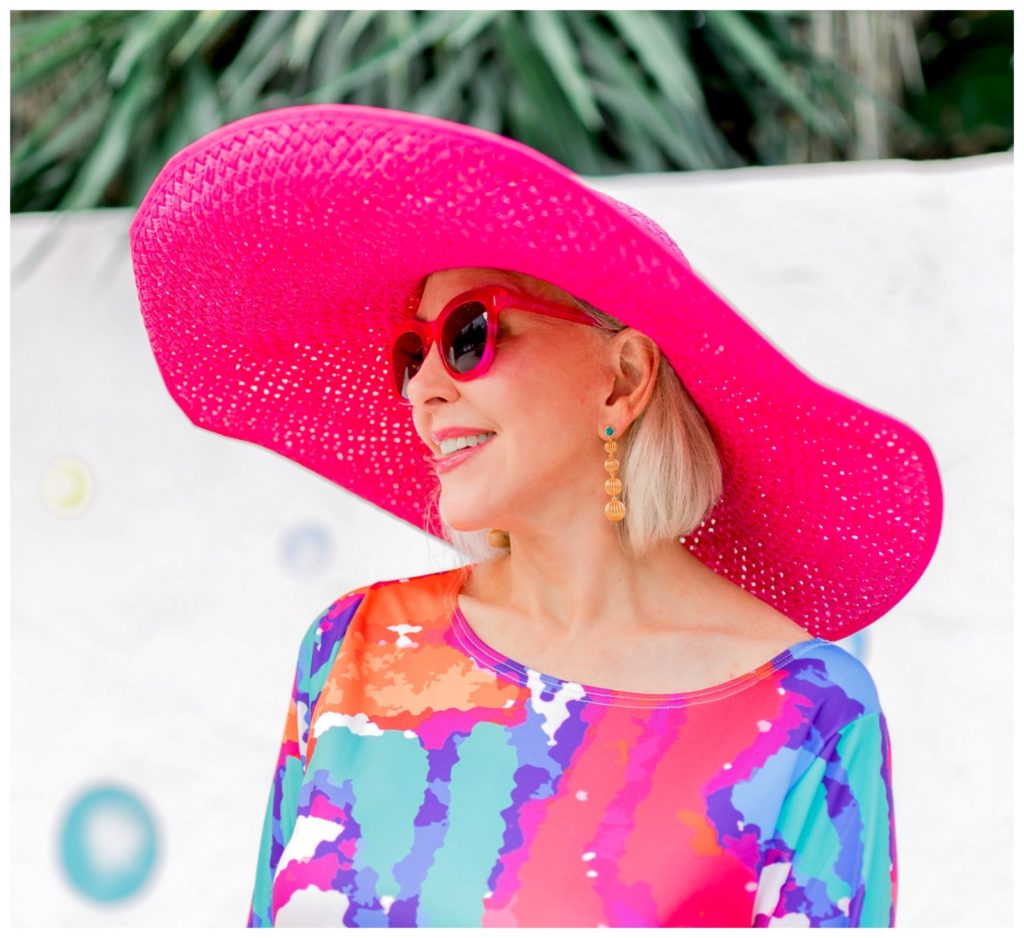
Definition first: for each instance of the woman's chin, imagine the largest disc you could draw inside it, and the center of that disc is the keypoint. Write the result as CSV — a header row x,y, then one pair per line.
x,y
464,517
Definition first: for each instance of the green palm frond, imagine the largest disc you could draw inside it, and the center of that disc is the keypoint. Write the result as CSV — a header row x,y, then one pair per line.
x,y
101,99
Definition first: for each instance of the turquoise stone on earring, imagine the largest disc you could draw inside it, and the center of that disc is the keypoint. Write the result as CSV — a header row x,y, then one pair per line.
x,y
609,431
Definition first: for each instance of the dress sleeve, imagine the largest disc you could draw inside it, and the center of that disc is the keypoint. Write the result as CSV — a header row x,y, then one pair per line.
x,y
319,648
832,860
279,819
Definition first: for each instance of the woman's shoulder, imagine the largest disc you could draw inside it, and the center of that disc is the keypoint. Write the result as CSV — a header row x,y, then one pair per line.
x,y
405,584
821,669
384,594
833,679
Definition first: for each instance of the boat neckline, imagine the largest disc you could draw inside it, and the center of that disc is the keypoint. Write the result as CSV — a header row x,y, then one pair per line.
x,y
524,675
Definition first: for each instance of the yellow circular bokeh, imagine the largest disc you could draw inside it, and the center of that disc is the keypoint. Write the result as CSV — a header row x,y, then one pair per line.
x,y
67,486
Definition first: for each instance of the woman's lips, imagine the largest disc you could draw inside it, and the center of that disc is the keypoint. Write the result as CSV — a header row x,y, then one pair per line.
x,y
444,463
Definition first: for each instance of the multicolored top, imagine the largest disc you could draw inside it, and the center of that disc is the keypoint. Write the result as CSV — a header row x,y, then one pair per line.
x,y
424,779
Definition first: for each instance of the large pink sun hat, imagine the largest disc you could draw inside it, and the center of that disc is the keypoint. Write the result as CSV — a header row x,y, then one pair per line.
x,y
273,255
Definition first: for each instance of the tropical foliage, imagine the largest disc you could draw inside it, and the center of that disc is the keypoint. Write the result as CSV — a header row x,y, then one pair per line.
x,y
101,99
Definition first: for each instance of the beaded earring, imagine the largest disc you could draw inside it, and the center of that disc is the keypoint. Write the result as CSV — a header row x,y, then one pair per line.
x,y
614,510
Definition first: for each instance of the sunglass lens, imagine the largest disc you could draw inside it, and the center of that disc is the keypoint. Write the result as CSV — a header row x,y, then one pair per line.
x,y
406,358
465,336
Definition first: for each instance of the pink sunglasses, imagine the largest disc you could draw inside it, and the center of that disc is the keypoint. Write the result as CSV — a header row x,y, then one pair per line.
x,y
466,330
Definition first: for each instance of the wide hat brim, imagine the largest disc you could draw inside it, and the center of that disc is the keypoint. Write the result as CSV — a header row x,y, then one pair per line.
x,y
272,255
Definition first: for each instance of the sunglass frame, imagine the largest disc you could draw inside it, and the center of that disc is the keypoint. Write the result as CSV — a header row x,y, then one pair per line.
x,y
496,300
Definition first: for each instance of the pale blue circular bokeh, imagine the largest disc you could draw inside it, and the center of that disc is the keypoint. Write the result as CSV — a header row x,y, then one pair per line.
x,y
108,844
306,549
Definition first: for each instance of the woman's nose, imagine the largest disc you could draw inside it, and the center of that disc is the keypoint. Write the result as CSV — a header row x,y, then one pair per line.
x,y
431,380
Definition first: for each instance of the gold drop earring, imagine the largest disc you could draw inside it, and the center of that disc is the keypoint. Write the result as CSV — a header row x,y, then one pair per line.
x,y
614,510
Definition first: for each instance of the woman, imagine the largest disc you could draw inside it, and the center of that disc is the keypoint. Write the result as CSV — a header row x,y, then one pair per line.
x,y
545,466
588,724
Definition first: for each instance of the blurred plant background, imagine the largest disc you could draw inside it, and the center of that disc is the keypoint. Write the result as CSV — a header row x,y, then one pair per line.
x,y
101,99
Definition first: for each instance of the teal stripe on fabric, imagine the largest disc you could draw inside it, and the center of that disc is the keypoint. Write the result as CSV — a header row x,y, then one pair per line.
x,y
481,788
308,684
291,785
806,827
861,747
260,907
289,782
385,773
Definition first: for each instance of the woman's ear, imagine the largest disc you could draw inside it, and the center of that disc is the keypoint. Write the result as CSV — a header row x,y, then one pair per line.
x,y
636,359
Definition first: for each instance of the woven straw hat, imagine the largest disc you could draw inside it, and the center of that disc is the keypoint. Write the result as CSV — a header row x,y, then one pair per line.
x,y
272,256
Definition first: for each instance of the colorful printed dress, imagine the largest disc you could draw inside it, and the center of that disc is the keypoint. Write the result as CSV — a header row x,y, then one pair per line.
x,y
424,779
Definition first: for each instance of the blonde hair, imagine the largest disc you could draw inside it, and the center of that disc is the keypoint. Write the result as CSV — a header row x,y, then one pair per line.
x,y
670,470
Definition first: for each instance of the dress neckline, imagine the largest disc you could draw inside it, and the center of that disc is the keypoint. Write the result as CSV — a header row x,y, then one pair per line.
x,y
524,675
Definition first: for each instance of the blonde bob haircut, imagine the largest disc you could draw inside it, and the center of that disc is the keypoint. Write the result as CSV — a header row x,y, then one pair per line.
x,y
670,470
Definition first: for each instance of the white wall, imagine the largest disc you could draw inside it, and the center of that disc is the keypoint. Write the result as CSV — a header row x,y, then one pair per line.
x,y
154,631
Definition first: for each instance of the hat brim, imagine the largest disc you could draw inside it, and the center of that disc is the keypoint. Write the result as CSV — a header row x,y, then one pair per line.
x,y
272,255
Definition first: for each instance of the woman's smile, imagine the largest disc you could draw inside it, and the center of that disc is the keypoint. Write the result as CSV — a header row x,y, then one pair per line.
x,y
444,463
